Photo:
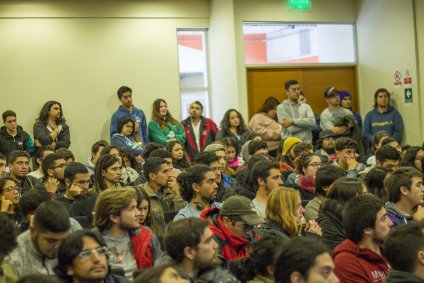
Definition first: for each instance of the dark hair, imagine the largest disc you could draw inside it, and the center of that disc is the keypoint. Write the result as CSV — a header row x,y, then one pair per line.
x,y
152,275
52,216
301,148
345,143
303,162
375,181
160,153
184,233
44,112
38,278
2,157
388,140
225,123
401,177
30,200
122,90
97,145
233,142
184,162
49,162
3,182
8,235
150,147
288,83
402,246
376,94
262,169
387,152
198,103
73,169
70,248
247,187
123,121
206,158
39,152
327,175
156,116
8,113
359,214
298,255
152,165
254,146
149,221
103,163
269,104
262,253
193,175
343,190
126,153
409,157
377,139
15,154
65,153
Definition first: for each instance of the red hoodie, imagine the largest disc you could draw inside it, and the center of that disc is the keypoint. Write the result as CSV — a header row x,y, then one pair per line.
x,y
354,264
231,246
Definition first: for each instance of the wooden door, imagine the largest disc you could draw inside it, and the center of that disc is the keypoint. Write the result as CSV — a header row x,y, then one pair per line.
x,y
265,82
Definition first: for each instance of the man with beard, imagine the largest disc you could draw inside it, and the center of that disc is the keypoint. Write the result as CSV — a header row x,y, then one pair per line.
x,y
360,257
190,243
53,167
266,176
18,162
200,131
117,218
198,187
38,247
325,148
333,110
83,258
213,161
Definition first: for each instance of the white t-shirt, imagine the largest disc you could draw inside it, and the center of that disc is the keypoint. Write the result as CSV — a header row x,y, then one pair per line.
x,y
196,130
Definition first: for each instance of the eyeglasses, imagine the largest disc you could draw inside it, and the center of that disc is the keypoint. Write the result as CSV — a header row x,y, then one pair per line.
x,y
329,139
295,89
315,164
246,227
12,189
62,166
87,254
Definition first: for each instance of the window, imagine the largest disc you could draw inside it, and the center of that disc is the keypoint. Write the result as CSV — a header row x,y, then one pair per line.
x,y
286,43
192,56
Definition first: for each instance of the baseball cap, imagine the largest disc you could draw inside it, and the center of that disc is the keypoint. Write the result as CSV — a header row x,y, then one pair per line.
x,y
330,92
243,207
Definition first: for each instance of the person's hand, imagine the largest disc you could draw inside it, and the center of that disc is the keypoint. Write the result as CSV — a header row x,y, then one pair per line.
x,y
139,158
351,163
173,184
419,214
51,185
173,139
37,143
6,205
137,127
287,122
75,190
313,227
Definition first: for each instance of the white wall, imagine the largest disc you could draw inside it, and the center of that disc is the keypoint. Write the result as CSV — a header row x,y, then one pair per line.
x,y
386,42
419,16
81,52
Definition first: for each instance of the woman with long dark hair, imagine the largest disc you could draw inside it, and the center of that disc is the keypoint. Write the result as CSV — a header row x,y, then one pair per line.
x,y
163,127
232,125
50,128
178,155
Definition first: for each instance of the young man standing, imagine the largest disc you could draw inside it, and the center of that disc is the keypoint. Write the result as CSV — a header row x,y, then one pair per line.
x,y
297,118
360,258
346,157
333,110
200,131
18,162
127,109
12,136
405,195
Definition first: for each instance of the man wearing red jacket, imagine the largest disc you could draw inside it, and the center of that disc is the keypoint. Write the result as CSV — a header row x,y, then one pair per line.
x,y
232,226
360,257
200,131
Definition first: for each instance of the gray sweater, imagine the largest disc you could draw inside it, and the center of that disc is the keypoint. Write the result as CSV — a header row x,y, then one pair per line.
x,y
303,117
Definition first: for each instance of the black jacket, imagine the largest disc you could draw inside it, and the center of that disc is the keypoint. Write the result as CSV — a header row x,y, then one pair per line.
x,y
331,224
60,191
402,277
22,141
271,227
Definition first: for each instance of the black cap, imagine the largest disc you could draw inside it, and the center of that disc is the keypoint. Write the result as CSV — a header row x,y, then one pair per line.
x,y
330,92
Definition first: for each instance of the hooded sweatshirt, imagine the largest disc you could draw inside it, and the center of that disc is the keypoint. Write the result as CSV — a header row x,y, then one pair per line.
x,y
396,215
402,277
389,121
22,141
355,264
303,117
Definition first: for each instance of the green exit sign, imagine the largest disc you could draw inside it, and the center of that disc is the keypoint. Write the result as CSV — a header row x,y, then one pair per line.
x,y
300,5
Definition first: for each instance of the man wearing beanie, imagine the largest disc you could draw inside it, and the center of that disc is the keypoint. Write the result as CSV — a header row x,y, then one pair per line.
x,y
287,160
346,102
333,110
296,118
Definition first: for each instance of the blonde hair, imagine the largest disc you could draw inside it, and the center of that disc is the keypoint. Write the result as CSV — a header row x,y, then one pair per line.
x,y
280,207
112,202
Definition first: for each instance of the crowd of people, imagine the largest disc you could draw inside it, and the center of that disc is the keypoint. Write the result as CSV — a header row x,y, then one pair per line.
x,y
290,196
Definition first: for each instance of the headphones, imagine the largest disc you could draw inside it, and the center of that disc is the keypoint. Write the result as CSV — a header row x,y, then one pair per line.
x,y
200,206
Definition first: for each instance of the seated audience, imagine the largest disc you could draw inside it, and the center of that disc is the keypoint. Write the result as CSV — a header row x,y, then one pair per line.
x,y
286,157
346,126
66,154
161,274
7,244
346,157
404,188
10,194
162,153
96,149
53,167
412,157
393,143
304,260
325,177
38,247
219,151
125,138
325,147
360,257
178,155
107,173
232,151
233,126
128,174
374,182
50,128
257,147
387,157
376,144
146,218
83,257
18,163
39,155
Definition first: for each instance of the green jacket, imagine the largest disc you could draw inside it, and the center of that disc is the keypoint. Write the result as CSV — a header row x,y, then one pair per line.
x,y
159,135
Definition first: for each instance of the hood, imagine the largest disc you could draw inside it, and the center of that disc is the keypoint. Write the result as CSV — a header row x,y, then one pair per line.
x,y
389,110
347,246
391,207
3,131
402,277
